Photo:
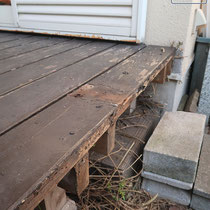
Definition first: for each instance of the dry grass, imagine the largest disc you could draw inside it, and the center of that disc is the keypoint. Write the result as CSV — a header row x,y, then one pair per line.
x,y
109,189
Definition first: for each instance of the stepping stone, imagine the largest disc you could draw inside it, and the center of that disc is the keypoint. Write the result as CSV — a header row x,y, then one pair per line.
x,y
165,191
201,191
166,180
173,149
200,203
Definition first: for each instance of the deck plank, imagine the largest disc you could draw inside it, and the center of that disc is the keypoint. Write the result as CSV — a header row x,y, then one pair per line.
x,y
129,78
8,38
79,49
45,147
32,98
36,155
19,61
28,47
21,42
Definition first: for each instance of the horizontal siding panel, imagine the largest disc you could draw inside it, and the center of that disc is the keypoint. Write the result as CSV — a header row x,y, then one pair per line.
x,y
75,28
80,20
77,10
76,2
101,17
6,16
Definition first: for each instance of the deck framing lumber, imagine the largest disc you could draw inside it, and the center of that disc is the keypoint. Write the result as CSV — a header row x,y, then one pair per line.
x,y
106,143
76,181
166,70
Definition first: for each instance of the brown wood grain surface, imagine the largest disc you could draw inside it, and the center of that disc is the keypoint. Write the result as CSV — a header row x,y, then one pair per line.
x,y
19,61
19,42
44,67
38,152
28,47
35,96
29,154
8,38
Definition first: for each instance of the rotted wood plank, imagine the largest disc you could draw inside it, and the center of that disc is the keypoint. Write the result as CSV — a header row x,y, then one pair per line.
x,y
40,94
106,143
45,148
77,179
123,83
19,61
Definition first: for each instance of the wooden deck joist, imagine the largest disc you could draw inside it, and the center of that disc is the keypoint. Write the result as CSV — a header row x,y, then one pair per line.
x,y
60,100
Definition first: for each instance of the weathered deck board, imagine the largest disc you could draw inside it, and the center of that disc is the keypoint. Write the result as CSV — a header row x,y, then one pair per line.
x,y
28,47
7,38
124,80
40,94
42,68
21,42
38,155
32,57
103,78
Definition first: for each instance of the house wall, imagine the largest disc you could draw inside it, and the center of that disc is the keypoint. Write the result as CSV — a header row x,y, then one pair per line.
x,y
206,10
172,25
208,19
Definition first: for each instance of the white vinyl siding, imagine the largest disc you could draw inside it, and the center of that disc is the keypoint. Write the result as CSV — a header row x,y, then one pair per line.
x,y
93,18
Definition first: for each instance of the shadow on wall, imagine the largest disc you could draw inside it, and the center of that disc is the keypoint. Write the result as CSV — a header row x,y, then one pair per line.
x,y
5,2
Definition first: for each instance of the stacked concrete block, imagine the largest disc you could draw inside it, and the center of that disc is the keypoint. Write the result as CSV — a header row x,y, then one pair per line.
x,y
204,103
201,191
171,156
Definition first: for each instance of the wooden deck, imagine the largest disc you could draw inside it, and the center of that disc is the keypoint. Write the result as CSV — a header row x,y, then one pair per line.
x,y
58,97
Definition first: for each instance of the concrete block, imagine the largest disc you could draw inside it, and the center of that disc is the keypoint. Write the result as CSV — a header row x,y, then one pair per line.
x,y
192,103
183,103
173,149
179,196
204,103
70,205
149,122
199,203
202,182
168,181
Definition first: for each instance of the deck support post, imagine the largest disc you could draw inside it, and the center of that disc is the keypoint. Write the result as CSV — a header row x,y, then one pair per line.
x,y
132,106
161,77
77,179
165,71
57,200
106,143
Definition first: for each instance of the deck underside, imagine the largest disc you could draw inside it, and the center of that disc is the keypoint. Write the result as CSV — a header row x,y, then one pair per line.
x,y
57,98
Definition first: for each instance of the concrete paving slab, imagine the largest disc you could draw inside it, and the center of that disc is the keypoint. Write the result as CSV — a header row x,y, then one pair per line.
x,y
179,196
202,182
199,203
168,181
173,149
